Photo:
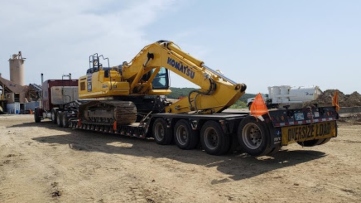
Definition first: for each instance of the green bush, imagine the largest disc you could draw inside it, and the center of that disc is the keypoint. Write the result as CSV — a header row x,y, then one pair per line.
x,y
239,105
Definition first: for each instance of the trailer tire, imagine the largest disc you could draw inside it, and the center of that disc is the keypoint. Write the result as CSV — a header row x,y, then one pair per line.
x,y
64,120
184,136
53,115
253,136
161,133
213,140
37,115
59,117
274,150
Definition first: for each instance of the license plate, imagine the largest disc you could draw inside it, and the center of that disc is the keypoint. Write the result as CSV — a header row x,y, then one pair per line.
x,y
308,132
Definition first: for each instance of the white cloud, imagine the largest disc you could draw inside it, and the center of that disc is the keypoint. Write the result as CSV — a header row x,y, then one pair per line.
x,y
57,37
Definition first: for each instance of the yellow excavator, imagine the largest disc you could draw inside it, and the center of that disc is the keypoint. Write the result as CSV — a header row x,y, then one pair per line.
x,y
126,88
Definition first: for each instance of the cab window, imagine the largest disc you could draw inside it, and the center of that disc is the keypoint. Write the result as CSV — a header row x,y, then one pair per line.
x,y
161,80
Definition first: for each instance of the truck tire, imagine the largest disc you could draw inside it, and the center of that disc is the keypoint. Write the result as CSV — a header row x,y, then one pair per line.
x,y
37,115
213,140
161,133
53,115
253,137
59,117
184,136
64,120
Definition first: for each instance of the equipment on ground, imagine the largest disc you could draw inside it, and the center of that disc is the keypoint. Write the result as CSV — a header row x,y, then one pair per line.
x,y
129,99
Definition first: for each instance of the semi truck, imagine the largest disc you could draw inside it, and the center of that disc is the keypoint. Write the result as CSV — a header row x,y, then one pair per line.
x,y
56,94
130,99
287,95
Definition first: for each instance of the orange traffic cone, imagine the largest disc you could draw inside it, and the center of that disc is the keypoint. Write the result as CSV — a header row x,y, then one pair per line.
x,y
258,107
335,101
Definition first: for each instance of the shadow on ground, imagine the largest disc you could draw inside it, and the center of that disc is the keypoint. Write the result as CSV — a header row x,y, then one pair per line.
x,y
238,165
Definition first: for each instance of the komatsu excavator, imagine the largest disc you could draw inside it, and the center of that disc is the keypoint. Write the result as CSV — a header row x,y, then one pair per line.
x,y
127,88
128,99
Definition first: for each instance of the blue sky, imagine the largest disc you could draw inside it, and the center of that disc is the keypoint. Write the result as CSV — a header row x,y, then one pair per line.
x,y
259,43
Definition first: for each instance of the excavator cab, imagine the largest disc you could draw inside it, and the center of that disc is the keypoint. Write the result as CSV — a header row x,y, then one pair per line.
x,y
105,81
161,80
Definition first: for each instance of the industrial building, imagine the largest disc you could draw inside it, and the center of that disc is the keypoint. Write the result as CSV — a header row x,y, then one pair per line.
x,y
15,96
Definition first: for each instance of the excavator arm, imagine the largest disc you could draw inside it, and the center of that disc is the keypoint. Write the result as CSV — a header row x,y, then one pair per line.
x,y
216,92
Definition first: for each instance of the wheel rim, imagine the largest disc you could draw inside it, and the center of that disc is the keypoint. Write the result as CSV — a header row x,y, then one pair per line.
x,y
252,136
211,138
159,131
182,135
52,116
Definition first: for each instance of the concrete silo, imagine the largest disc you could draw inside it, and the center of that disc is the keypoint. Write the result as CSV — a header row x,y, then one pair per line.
x,y
17,69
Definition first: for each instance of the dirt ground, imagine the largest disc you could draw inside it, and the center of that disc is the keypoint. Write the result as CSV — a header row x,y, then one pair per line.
x,y
45,163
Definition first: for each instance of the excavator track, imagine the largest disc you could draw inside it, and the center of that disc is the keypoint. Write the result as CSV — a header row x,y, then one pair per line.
x,y
108,112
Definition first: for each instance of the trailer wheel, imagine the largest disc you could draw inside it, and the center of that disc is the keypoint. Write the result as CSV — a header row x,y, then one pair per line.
x,y
184,136
252,136
214,141
64,120
59,119
37,115
161,133
53,115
